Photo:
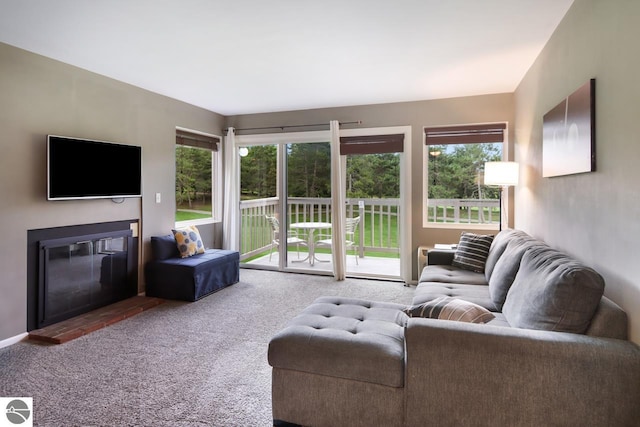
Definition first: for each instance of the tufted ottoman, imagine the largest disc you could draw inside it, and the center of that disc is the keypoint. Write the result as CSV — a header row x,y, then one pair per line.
x,y
347,356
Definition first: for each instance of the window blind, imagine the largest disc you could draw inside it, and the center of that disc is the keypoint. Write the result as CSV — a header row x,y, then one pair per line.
x,y
372,144
465,134
192,139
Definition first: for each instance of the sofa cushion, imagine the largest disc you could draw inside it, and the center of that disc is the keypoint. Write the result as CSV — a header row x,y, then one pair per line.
x,y
451,274
472,251
477,294
164,247
498,246
554,292
188,241
506,268
447,308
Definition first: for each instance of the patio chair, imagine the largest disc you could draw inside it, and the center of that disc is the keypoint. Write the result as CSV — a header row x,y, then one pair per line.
x,y
292,236
350,240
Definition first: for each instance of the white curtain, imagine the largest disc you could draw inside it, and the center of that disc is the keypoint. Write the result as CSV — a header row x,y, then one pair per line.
x,y
338,201
231,220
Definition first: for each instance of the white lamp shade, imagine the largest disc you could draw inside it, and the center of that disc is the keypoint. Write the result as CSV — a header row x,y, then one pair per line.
x,y
501,173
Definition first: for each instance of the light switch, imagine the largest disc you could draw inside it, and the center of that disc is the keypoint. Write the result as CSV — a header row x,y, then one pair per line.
x,y
158,198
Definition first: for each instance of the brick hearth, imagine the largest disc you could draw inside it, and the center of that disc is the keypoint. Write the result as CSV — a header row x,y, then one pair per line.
x,y
92,321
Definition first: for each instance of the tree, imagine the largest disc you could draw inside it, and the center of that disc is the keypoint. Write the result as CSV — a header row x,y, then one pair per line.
x,y
193,175
455,171
309,170
258,172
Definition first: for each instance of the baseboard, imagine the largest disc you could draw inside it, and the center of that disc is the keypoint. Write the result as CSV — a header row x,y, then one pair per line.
x,y
13,340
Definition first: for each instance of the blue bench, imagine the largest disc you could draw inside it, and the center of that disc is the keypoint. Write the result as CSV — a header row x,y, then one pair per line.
x,y
169,276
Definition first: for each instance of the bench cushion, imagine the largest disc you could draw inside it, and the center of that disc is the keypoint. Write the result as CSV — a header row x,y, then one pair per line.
x,y
192,278
344,338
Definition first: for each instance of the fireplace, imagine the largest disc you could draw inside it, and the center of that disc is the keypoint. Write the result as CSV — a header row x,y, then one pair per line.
x,y
78,269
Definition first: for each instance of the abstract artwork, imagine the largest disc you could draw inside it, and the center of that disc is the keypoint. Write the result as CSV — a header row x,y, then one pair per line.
x,y
568,140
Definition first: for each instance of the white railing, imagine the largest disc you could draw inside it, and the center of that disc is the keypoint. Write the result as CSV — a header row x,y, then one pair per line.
x,y
464,211
378,229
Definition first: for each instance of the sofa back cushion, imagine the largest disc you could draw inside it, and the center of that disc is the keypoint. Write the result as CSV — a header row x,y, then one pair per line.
x,y
164,247
506,268
554,292
498,246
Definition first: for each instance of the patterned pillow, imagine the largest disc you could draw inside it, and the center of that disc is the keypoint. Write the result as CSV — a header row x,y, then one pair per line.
x,y
188,241
472,252
449,308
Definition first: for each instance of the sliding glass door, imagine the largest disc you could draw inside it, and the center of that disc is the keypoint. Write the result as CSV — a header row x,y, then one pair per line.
x,y
373,212
308,204
287,217
285,206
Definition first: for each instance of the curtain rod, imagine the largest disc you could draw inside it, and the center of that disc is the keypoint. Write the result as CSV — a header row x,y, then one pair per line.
x,y
358,122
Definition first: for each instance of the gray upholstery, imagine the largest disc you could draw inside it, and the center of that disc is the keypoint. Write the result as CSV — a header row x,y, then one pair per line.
x,y
506,268
609,321
366,337
362,363
498,247
325,401
451,274
553,292
467,374
476,294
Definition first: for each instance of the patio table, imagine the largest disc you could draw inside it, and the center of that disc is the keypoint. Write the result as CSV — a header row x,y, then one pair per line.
x,y
311,228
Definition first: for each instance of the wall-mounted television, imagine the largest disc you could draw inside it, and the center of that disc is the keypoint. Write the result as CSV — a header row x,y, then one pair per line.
x,y
87,169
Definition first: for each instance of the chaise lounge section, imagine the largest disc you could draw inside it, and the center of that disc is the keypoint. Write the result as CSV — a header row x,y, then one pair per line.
x,y
553,352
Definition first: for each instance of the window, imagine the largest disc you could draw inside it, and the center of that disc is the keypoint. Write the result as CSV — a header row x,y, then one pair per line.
x,y
197,166
454,190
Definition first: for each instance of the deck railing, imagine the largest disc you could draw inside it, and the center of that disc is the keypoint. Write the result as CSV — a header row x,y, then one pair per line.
x,y
379,227
464,211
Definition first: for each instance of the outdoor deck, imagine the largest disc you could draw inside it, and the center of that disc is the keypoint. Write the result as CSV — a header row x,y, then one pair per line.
x,y
369,266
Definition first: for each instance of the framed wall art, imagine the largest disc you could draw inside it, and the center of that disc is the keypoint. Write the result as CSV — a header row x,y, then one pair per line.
x,y
568,134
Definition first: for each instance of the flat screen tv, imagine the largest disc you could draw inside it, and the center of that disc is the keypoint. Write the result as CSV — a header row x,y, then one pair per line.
x,y
87,169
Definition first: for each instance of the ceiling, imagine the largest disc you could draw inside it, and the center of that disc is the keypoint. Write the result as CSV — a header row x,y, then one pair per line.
x,y
251,56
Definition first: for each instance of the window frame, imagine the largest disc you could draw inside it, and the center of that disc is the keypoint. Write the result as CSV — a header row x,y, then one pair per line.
x,y
425,175
216,178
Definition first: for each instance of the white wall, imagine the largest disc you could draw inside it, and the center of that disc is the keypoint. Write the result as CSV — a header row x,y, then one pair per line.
x,y
594,216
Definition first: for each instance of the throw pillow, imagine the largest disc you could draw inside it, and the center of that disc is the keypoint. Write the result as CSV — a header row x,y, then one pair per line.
x,y
472,252
188,241
449,308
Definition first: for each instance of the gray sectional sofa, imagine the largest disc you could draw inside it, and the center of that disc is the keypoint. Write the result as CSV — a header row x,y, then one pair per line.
x,y
555,351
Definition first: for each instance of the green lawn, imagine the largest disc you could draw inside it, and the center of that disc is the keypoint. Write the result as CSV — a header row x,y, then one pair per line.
x,y
186,216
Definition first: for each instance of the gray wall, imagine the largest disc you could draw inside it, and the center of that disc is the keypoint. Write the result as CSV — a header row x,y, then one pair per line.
x,y
40,96
475,109
594,216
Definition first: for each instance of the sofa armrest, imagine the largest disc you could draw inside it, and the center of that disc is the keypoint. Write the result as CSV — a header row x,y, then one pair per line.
x,y
459,373
440,256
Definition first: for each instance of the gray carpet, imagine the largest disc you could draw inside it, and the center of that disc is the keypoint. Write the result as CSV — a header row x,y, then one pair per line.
x,y
179,364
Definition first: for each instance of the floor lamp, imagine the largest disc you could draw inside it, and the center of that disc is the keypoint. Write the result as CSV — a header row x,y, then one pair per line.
x,y
504,174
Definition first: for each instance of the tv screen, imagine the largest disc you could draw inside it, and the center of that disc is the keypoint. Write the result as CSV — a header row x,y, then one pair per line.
x,y
87,169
